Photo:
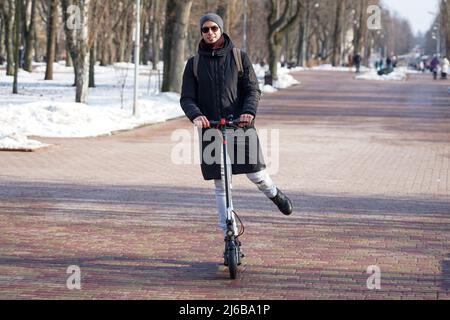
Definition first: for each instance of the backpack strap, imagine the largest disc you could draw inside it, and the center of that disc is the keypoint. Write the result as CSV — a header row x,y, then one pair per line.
x,y
238,60
196,59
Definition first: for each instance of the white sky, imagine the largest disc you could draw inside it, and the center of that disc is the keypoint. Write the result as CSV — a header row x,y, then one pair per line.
x,y
416,11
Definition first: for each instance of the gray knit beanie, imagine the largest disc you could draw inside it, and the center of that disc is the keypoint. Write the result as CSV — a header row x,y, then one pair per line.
x,y
212,17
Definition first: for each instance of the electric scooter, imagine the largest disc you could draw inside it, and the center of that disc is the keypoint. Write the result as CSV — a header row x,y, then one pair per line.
x,y
233,254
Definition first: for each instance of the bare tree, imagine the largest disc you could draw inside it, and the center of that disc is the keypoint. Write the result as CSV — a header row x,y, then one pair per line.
x,y
77,37
230,11
278,26
17,43
340,5
445,23
8,13
97,13
303,41
2,30
29,34
156,26
177,13
360,25
52,20
309,31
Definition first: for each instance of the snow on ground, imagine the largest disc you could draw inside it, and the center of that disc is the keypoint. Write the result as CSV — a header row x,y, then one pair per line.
x,y
68,119
399,74
285,80
268,89
46,108
19,142
329,67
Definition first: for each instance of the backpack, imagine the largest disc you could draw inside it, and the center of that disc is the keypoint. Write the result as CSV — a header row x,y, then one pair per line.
x,y
237,59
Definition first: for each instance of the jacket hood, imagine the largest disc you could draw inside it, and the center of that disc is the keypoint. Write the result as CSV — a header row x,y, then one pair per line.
x,y
228,46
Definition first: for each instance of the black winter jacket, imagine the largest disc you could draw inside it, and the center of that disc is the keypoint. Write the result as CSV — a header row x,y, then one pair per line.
x,y
218,93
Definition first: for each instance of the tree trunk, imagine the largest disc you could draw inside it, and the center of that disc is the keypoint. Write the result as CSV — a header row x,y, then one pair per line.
x,y
112,52
368,52
92,43
92,61
9,39
105,49
304,35
123,40
129,43
2,30
446,23
77,41
155,34
145,52
17,33
300,60
30,37
121,46
278,24
51,38
336,33
359,30
82,61
102,52
223,10
178,12
275,48
37,55
69,62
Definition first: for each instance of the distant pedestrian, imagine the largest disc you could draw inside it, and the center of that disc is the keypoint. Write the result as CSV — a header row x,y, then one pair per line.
x,y
357,62
388,62
21,57
434,66
445,67
394,62
350,60
421,66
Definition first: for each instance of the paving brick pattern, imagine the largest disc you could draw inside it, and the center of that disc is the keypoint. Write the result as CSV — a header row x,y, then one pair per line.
x,y
366,164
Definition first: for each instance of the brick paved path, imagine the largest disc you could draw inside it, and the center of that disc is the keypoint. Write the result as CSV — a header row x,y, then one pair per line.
x,y
367,166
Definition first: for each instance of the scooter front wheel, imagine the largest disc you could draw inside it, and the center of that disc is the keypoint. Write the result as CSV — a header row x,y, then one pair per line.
x,y
233,262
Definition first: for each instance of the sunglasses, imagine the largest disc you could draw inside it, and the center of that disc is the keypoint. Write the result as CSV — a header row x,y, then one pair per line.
x,y
213,29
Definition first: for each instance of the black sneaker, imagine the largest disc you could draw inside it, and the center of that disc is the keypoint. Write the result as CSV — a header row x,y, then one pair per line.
x,y
283,203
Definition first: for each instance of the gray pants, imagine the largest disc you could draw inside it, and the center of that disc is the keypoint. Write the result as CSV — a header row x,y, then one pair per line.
x,y
261,179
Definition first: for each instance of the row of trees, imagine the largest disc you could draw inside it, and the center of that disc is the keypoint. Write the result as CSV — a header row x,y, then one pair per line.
x,y
445,23
438,37
299,32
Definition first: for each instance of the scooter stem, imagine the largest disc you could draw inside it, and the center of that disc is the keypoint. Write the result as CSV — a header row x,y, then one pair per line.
x,y
225,164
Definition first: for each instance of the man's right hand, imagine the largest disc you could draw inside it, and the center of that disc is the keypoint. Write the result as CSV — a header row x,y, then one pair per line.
x,y
202,122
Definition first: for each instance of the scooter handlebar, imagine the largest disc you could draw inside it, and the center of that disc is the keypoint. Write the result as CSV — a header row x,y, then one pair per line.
x,y
226,123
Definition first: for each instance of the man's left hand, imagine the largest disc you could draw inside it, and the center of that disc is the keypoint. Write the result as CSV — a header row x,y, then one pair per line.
x,y
246,120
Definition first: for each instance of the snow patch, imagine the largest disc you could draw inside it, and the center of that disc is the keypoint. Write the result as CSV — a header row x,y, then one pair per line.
x,y
329,67
75,120
285,80
17,141
396,75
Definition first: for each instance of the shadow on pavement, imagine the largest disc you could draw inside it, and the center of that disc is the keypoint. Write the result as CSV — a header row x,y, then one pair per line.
x,y
324,220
